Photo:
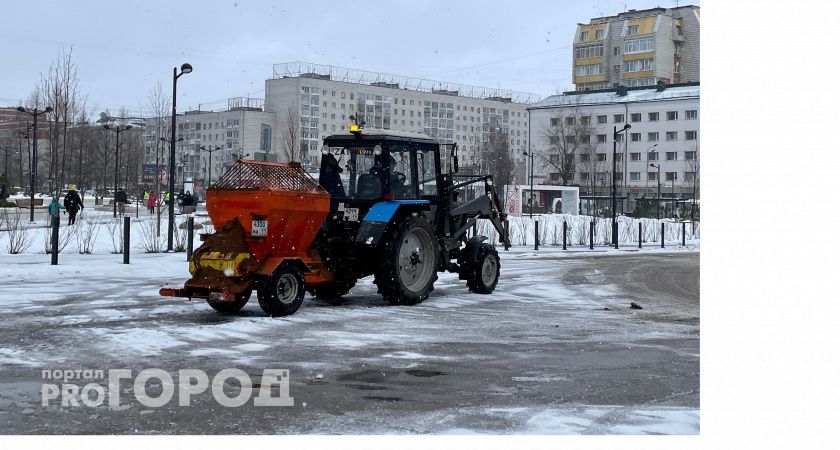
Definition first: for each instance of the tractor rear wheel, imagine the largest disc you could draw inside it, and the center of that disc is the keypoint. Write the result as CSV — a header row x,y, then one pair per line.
x,y
408,270
234,306
332,291
281,294
484,271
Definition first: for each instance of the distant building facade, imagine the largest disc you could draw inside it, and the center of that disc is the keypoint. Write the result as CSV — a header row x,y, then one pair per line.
x,y
319,100
665,130
638,48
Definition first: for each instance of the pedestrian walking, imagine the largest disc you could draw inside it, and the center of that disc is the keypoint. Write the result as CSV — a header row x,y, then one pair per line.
x,y
55,207
189,203
121,198
180,199
73,204
151,202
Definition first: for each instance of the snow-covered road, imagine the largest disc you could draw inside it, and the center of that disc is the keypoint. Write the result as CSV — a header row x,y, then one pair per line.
x,y
556,349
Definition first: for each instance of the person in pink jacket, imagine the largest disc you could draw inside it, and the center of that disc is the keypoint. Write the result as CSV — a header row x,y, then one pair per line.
x,y
152,201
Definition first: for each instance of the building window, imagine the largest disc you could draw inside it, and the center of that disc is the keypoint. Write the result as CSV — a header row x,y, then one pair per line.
x,y
602,119
618,118
690,156
617,69
599,34
651,176
653,156
671,136
639,45
690,135
602,156
589,51
570,120
584,176
653,117
650,81
635,156
584,157
672,115
636,117
635,137
653,137
632,29
619,176
555,121
616,51
554,140
570,139
584,35
671,156
688,176
671,176
584,120
691,114
638,65
602,138
619,137
584,139
635,176
588,69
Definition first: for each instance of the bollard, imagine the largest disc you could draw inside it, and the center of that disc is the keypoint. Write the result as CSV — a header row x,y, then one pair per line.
x,y
190,230
54,244
591,235
683,231
536,235
662,238
564,235
640,234
507,234
615,235
126,238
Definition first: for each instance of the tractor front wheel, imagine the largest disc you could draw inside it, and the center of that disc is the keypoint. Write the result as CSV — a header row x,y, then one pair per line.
x,y
408,269
231,307
281,294
484,271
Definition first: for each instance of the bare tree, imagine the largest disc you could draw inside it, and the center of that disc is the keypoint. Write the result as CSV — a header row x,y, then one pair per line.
x,y
292,147
693,166
497,158
159,104
567,136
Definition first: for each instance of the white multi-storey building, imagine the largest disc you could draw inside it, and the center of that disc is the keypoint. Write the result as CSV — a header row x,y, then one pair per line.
x,y
664,131
319,100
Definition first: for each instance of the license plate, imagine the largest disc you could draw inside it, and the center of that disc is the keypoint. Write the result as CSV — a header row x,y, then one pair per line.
x,y
351,214
259,227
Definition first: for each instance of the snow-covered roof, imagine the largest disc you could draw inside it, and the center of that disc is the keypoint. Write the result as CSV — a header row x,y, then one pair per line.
x,y
633,96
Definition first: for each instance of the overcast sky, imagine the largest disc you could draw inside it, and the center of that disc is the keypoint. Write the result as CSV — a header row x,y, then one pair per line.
x,y
122,49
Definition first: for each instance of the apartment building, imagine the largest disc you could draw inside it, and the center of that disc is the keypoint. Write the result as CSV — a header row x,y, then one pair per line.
x,y
243,130
638,48
319,100
664,131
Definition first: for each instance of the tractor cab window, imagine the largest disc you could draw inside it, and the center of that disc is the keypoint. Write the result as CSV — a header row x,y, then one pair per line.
x,y
364,170
400,180
426,173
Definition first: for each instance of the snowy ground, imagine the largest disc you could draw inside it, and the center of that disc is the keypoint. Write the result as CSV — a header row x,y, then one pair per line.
x,y
555,350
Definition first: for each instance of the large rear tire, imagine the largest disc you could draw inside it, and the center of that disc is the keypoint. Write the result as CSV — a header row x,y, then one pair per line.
x,y
408,269
281,294
483,273
234,306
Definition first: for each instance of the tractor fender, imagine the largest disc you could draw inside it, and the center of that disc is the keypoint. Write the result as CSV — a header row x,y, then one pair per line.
x,y
382,214
273,262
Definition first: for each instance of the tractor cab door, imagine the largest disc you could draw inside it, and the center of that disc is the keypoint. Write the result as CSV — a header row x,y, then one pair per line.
x,y
400,177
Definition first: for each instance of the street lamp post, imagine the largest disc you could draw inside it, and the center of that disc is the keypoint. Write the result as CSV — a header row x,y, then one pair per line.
x,y
531,192
616,132
33,168
20,151
209,165
674,193
117,129
185,68
658,187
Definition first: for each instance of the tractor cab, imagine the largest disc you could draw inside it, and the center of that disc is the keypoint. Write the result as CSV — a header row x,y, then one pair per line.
x,y
381,165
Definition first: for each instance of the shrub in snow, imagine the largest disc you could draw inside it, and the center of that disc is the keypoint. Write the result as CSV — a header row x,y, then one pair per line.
x,y
86,236
19,236
65,235
151,242
115,231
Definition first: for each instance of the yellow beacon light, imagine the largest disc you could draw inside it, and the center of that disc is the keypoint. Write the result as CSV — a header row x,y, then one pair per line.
x,y
355,129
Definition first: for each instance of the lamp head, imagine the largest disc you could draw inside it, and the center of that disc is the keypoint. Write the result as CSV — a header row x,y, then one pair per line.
x,y
128,127
108,127
21,109
626,127
48,109
186,68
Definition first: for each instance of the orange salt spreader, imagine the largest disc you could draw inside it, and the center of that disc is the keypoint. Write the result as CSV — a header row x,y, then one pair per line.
x,y
266,216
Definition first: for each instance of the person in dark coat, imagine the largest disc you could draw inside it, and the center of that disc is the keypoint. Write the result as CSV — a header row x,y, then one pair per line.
x,y
330,175
72,204
121,198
